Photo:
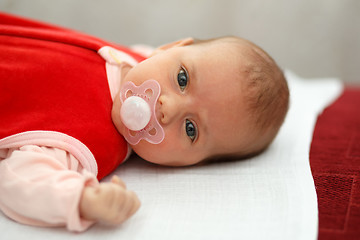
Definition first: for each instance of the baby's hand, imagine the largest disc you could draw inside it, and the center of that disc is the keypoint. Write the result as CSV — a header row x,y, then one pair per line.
x,y
108,202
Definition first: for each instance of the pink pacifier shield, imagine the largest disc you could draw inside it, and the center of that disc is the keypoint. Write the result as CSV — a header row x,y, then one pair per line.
x,y
138,112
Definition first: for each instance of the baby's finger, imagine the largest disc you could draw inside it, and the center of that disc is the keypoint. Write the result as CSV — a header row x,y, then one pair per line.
x,y
128,208
135,206
115,179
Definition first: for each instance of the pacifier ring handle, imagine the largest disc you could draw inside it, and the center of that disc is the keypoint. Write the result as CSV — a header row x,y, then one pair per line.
x,y
135,113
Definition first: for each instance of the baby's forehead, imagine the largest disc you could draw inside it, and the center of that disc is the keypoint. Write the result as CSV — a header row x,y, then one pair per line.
x,y
231,55
232,46
228,126
220,74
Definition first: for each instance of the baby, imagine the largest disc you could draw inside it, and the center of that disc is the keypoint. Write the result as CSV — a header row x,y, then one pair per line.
x,y
220,99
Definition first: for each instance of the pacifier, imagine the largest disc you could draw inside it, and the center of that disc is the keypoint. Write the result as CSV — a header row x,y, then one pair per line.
x,y
138,112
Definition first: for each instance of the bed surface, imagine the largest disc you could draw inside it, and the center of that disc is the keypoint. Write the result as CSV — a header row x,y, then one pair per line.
x,y
271,196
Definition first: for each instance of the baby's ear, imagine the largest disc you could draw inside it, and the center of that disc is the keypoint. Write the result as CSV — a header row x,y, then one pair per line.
x,y
179,43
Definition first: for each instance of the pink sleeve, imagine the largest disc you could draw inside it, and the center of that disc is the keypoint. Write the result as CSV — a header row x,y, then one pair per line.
x,y
42,186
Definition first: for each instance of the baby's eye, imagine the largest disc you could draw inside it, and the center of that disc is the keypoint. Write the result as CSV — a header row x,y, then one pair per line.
x,y
182,78
190,130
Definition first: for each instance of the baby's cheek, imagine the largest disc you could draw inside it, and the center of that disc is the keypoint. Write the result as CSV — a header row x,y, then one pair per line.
x,y
154,153
143,150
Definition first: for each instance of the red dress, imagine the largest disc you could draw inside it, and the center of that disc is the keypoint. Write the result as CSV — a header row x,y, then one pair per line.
x,y
53,83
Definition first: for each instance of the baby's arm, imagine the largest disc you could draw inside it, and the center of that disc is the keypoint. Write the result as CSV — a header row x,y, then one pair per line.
x,y
47,187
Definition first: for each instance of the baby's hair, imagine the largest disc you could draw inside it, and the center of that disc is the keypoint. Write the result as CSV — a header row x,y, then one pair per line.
x,y
265,92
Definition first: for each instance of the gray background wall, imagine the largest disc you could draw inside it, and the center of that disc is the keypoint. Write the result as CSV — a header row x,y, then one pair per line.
x,y
314,38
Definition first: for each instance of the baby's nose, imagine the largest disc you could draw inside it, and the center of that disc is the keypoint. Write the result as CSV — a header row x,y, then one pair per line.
x,y
169,109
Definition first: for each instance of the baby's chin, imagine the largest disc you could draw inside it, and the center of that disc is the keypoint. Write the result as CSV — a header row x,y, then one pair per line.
x,y
125,68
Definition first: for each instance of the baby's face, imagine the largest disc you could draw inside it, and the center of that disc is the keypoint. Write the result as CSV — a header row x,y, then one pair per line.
x,y
200,106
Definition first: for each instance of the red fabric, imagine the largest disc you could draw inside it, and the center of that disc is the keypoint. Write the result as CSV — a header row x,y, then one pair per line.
x,y
53,79
335,165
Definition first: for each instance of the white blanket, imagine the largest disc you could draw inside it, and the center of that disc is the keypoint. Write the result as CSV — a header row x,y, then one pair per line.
x,y
271,196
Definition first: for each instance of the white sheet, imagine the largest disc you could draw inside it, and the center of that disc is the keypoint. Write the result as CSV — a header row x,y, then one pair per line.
x,y
271,196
